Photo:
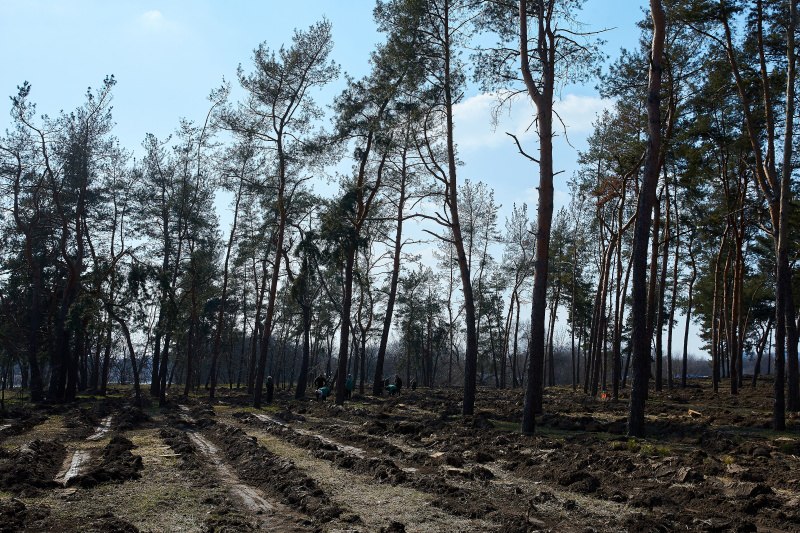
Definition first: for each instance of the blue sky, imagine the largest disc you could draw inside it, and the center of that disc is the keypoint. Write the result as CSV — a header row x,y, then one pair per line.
x,y
168,54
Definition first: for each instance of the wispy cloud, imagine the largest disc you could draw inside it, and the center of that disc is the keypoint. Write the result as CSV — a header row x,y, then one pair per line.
x,y
155,21
480,124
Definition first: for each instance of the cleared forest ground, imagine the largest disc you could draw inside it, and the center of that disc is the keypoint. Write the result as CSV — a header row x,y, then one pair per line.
x,y
402,463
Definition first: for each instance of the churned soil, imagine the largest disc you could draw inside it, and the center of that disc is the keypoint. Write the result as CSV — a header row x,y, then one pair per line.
x,y
411,462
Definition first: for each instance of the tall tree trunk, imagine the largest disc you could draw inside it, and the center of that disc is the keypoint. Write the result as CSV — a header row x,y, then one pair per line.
x,y
760,346
630,349
647,197
134,366
542,97
652,290
471,353
514,363
661,298
785,279
689,302
550,332
223,296
377,382
106,360
674,298
258,385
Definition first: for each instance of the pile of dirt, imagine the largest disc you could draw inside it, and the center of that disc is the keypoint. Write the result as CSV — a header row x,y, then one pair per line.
x,y
30,469
258,467
180,443
223,519
107,523
16,516
130,417
12,515
81,422
19,421
116,465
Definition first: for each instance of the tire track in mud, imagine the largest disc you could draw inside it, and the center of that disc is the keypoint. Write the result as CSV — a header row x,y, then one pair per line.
x,y
74,464
76,459
270,515
101,430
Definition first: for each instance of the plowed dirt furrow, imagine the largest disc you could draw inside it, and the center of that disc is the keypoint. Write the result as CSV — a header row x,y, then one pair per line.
x,y
377,504
102,430
542,502
73,466
271,515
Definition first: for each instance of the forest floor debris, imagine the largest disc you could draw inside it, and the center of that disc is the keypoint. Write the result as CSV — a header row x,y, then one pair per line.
x,y
404,463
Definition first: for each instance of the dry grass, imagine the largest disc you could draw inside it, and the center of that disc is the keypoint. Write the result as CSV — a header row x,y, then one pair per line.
x,y
51,429
164,499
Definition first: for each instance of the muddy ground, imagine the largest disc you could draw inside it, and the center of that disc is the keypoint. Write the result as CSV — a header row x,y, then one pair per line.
x,y
403,463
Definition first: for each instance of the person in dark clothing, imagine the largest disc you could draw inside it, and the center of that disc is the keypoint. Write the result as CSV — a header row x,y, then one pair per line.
x,y
320,382
349,385
413,384
322,393
270,389
398,382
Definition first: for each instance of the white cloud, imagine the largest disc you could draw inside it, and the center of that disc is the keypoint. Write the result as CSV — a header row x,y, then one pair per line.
x,y
152,18
479,123
580,112
531,197
155,21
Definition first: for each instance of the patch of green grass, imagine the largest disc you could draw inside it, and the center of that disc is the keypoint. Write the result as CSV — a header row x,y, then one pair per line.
x,y
653,450
504,425
15,399
647,449
619,445
786,446
266,409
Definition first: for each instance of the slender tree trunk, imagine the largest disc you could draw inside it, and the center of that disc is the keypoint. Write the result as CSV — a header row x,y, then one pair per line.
x,y
760,346
550,330
621,293
37,387
134,366
647,197
106,360
715,316
377,382
542,97
661,298
471,353
514,361
689,303
622,314
652,291
736,311
266,337
784,273
223,296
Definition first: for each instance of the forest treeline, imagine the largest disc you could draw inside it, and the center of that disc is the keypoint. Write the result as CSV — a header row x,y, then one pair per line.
x,y
115,267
